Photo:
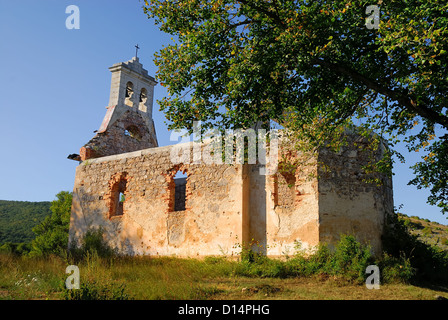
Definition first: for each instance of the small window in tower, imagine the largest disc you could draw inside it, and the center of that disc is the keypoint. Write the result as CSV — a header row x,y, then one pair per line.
x,y
143,95
129,90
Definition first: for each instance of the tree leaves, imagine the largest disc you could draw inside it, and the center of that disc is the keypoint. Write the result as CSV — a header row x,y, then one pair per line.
x,y
308,64
52,232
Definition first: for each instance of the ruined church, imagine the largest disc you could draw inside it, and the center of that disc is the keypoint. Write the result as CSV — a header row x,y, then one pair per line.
x,y
126,184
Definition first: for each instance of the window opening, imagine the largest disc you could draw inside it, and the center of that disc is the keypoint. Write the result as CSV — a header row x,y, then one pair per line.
x,y
180,184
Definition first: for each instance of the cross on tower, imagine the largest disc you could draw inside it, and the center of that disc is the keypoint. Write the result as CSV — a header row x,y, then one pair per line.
x,y
136,50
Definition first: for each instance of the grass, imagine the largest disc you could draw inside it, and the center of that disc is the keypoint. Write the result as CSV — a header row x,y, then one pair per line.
x,y
410,269
146,278
24,278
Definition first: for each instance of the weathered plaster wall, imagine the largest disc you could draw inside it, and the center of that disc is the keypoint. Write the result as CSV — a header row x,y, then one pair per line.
x,y
228,206
210,225
293,212
347,204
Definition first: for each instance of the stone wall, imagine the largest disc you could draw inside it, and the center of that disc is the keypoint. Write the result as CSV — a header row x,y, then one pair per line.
x,y
227,206
347,203
293,209
210,224
129,133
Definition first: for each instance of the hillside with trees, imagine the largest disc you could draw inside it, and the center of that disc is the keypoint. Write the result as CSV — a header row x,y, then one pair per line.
x,y
18,218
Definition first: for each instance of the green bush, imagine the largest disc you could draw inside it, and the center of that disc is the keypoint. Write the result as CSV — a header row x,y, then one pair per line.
x,y
52,232
405,259
93,290
429,262
16,248
350,259
304,265
254,264
395,269
92,243
415,225
407,223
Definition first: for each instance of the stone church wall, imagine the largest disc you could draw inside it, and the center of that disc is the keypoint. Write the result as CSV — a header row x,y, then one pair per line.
x,y
211,223
226,206
347,204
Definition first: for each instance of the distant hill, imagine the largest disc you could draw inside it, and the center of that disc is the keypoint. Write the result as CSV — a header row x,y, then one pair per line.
x,y
430,232
17,218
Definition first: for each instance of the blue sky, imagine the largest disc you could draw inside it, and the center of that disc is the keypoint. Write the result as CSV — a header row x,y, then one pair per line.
x,y
55,82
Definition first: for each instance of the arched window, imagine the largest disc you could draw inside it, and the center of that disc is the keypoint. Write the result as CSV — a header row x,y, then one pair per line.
x,y
118,186
177,190
180,183
143,100
143,95
129,89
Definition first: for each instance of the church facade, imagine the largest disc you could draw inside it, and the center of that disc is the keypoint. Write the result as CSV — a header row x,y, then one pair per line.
x,y
126,185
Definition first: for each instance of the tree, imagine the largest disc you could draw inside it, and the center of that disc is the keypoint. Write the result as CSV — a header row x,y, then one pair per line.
x,y
52,232
316,68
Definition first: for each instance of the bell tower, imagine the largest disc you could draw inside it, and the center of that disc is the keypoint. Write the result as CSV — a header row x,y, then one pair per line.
x,y
128,125
132,88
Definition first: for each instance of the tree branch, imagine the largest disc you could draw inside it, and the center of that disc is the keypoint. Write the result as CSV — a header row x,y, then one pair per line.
x,y
405,100
268,13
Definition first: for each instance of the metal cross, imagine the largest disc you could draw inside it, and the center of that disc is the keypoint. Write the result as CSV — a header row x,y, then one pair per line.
x,y
136,50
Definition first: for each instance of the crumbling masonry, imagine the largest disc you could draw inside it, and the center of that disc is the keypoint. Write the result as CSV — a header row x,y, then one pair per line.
x,y
126,184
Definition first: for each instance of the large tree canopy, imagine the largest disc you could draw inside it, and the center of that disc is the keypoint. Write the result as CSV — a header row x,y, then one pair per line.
x,y
314,67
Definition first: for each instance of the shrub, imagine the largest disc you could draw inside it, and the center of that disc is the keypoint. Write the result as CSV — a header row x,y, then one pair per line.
x,y
395,269
22,248
427,231
257,265
93,243
430,263
93,290
52,232
313,264
407,223
249,255
350,259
